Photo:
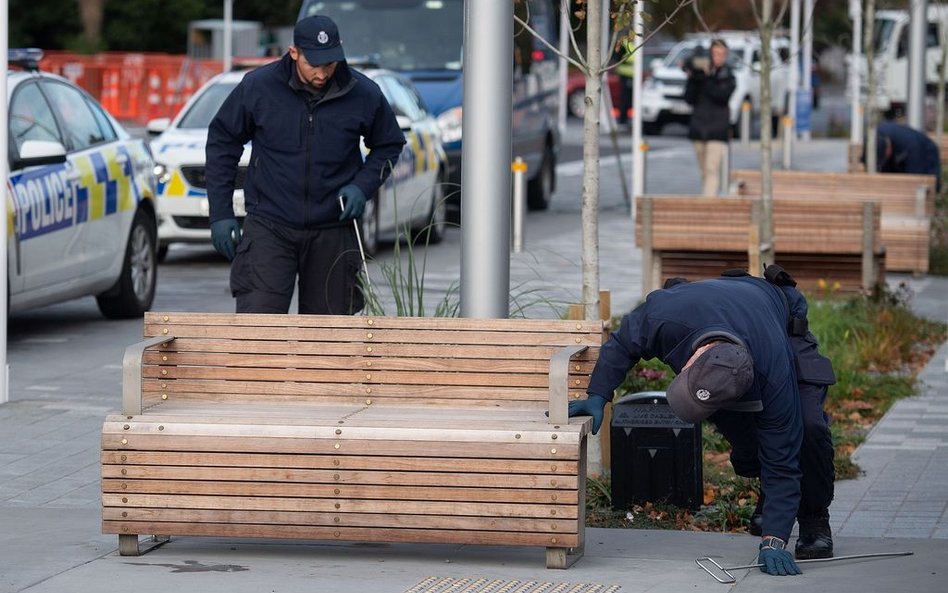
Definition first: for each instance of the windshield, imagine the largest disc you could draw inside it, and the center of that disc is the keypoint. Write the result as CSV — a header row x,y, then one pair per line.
x,y
678,56
399,35
203,110
882,34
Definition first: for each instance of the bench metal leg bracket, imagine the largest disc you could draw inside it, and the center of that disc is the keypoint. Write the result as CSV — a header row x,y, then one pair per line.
x,y
129,545
563,558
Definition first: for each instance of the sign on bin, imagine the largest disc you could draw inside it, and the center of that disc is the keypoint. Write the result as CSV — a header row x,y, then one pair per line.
x,y
656,456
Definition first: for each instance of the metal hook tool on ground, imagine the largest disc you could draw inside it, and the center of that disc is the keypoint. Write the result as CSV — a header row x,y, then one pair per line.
x,y
717,570
355,225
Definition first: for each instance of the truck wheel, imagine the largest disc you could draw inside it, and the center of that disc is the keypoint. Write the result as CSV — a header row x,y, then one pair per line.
x,y
540,188
134,290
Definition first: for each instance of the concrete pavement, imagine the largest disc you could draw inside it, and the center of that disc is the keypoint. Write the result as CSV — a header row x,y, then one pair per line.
x,y
50,539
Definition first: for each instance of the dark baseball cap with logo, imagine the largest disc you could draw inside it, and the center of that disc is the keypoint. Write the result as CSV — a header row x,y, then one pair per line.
x,y
718,379
318,38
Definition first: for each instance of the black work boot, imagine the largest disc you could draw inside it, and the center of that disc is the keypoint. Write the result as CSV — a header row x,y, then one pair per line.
x,y
815,539
757,519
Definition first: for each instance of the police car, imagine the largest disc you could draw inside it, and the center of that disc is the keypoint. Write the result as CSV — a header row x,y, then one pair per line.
x,y
413,197
80,197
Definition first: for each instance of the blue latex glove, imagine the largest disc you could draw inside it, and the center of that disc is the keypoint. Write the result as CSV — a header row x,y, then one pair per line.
x,y
225,234
591,406
354,201
776,561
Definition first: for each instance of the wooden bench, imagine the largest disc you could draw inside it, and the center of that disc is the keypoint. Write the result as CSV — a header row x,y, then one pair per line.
x,y
699,237
369,429
907,204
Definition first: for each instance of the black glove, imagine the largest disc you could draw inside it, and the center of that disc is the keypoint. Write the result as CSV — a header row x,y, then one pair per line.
x,y
225,234
354,201
591,406
774,559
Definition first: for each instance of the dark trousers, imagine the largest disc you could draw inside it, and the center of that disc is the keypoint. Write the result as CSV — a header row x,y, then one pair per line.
x,y
271,257
816,452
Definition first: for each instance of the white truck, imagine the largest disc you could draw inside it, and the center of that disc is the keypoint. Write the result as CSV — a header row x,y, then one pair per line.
x,y
664,89
891,55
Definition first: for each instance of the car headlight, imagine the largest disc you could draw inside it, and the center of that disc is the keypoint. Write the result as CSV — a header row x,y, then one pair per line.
x,y
649,84
450,124
162,173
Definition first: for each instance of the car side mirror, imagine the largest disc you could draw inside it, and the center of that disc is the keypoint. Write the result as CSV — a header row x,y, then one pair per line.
x,y
404,122
655,64
157,126
40,152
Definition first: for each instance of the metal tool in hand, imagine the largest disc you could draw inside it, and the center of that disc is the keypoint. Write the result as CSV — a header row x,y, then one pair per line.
x,y
723,574
355,225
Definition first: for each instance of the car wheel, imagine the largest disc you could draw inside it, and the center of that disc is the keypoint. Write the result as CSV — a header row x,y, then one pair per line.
x,y
433,231
576,103
652,128
134,291
540,188
369,227
162,253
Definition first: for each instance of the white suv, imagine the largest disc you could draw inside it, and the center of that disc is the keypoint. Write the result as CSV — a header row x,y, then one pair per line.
x,y
663,93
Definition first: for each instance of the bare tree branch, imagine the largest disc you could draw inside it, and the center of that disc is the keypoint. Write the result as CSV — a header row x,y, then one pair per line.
x,y
582,66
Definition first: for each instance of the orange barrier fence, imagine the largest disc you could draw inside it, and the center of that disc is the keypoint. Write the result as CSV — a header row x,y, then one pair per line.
x,y
134,87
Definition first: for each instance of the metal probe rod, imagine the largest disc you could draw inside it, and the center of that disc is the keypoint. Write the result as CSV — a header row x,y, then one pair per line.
x,y
731,579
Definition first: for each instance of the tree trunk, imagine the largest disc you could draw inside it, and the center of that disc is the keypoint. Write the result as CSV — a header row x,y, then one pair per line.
x,y
590,198
766,140
91,14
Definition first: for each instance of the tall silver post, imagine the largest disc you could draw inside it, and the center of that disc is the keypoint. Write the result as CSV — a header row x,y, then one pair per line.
x,y
485,158
228,34
855,107
794,77
918,31
4,173
807,59
563,65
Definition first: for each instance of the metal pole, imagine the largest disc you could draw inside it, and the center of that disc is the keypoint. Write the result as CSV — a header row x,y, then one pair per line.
x,y
807,59
724,175
4,175
563,65
519,169
918,31
485,158
794,79
228,34
639,147
855,110
745,122
787,142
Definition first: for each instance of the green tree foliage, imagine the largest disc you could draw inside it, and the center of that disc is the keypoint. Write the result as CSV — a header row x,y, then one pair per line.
x,y
132,25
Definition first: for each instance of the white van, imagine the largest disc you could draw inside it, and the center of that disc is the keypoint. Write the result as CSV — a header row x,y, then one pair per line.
x,y
891,55
663,93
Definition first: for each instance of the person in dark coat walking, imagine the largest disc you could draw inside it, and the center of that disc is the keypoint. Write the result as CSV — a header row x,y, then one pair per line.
x,y
708,90
304,115
747,363
901,149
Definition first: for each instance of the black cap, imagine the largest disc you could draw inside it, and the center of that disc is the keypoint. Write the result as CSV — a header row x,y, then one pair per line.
x,y
717,379
318,38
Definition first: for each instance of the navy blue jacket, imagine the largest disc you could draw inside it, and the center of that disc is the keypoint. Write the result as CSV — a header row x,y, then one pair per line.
x,y
303,150
709,94
912,152
670,325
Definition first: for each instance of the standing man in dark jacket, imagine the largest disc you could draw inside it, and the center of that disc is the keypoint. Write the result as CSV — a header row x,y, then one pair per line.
x,y
708,90
304,116
746,362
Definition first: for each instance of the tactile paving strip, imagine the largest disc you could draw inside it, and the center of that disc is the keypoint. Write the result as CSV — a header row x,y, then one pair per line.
x,y
481,585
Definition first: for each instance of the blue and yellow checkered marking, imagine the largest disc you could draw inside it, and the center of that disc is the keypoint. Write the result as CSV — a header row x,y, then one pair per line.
x,y
47,199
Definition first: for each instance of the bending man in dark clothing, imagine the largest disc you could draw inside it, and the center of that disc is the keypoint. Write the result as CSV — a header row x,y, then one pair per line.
x,y
901,149
747,363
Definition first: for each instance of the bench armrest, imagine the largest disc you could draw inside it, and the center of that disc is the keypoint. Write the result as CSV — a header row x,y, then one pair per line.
x,y
132,374
559,383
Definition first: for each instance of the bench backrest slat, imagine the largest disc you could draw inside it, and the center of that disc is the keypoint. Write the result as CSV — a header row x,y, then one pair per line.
x,y
896,193
723,224
350,359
